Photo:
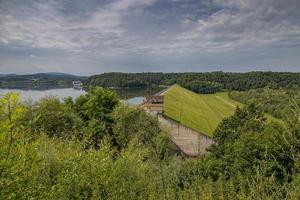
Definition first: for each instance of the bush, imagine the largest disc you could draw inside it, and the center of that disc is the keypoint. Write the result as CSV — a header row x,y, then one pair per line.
x,y
52,117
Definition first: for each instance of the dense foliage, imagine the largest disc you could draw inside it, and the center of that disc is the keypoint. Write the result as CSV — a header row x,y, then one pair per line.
x,y
46,153
281,103
208,82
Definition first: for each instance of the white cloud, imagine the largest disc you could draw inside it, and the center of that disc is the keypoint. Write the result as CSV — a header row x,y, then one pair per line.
x,y
46,27
124,5
32,56
244,24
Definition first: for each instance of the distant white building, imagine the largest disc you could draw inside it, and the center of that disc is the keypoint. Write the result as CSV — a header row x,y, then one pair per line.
x,y
77,84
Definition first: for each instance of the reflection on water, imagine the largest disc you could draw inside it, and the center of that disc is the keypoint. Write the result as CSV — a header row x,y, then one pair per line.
x,y
135,100
128,93
133,96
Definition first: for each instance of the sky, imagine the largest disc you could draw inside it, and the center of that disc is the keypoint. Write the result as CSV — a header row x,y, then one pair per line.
x,y
87,37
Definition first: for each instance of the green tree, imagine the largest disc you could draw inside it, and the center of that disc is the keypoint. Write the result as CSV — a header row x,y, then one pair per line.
x,y
95,109
51,116
245,120
134,123
10,112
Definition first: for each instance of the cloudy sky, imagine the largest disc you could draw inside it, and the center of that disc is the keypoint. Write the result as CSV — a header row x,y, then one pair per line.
x,y
95,36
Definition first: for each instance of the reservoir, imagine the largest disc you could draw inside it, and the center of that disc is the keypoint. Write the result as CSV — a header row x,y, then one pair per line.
x,y
131,95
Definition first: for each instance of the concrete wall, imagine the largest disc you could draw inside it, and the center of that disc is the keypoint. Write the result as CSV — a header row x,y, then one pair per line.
x,y
189,141
158,108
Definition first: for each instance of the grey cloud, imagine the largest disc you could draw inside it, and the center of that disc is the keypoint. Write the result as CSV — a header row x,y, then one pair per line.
x,y
247,23
46,27
240,23
102,32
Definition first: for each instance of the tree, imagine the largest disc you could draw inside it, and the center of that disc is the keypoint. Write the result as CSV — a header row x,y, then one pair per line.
x,y
10,112
130,123
95,109
51,116
248,119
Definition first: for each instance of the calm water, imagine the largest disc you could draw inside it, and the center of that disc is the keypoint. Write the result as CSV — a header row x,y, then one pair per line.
x,y
132,96
37,94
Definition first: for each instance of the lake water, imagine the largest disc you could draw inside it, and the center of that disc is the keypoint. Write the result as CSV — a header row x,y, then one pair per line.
x,y
37,94
132,96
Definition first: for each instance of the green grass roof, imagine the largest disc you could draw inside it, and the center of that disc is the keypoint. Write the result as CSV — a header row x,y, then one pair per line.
x,y
201,112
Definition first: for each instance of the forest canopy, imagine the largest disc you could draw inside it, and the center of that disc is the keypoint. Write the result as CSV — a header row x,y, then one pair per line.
x,y
207,82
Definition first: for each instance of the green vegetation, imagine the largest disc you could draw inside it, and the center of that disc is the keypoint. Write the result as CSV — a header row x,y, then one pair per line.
x,y
207,83
280,103
200,112
93,147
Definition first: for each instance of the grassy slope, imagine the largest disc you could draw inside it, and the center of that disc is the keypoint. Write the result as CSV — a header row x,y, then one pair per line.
x,y
202,112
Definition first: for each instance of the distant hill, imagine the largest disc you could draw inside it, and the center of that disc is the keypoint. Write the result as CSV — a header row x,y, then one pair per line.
x,y
42,74
38,80
57,73
7,75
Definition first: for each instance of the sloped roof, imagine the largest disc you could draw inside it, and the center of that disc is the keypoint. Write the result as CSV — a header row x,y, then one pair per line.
x,y
154,99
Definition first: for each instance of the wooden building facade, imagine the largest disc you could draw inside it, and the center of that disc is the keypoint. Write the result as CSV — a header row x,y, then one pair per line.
x,y
154,104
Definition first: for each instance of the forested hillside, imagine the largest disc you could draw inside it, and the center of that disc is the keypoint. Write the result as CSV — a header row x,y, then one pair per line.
x,y
38,81
93,147
208,82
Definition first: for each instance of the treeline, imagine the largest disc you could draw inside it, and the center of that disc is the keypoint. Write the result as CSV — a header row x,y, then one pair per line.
x,y
281,103
38,81
93,147
208,82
